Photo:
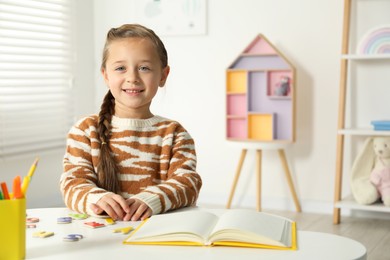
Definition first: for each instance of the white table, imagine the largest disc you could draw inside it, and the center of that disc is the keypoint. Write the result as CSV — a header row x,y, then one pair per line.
x,y
103,243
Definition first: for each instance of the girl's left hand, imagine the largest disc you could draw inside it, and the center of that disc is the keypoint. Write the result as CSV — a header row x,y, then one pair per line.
x,y
138,210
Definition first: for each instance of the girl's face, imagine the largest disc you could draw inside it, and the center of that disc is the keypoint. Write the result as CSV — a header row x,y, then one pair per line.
x,y
133,73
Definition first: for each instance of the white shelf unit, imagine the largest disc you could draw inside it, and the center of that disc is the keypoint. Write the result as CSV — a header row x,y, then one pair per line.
x,y
362,132
349,202
352,73
366,56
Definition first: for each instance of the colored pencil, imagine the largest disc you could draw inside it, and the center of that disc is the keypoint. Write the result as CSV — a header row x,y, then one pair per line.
x,y
32,168
26,182
5,190
16,189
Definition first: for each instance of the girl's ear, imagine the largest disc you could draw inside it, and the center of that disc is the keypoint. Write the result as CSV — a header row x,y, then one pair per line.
x,y
104,74
164,76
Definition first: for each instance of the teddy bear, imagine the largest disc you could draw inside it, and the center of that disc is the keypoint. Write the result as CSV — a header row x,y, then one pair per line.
x,y
370,176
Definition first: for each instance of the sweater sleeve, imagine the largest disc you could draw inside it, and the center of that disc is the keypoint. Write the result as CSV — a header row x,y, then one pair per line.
x,y
183,183
78,182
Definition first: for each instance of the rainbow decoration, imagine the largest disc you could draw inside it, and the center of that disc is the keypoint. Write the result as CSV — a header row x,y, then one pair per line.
x,y
375,41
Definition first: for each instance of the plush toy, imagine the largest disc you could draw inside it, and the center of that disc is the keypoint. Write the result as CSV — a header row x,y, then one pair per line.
x,y
371,172
380,175
283,87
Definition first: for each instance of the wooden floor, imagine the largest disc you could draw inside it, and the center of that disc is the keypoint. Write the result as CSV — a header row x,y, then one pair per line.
x,y
374,234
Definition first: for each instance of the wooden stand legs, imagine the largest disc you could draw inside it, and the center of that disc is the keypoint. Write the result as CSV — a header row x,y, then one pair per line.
x,y
238,171
282,156
283,160
258,168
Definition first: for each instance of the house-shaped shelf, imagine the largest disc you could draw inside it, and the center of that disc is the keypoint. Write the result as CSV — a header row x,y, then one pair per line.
x,y
260,95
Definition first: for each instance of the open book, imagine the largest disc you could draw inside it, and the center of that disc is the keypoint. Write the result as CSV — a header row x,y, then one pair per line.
x,y
234,227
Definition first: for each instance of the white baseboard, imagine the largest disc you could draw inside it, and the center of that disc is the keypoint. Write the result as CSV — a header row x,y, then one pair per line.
x,y
268,203
287,204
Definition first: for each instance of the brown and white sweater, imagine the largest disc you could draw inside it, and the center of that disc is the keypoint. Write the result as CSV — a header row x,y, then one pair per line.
x,y
156,159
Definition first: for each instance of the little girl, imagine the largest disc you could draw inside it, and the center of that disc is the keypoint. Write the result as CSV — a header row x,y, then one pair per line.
x,y
126,162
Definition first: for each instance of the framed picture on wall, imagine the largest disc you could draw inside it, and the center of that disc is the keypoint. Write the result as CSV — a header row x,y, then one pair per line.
x,y
172,17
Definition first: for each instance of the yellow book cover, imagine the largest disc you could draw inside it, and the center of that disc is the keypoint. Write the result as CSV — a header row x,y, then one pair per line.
x,y
234,227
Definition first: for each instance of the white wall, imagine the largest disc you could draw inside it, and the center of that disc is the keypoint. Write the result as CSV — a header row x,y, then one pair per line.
x,y
308,33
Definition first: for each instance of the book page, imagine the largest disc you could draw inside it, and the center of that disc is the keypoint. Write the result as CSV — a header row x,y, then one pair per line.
x,y
253,227
179,226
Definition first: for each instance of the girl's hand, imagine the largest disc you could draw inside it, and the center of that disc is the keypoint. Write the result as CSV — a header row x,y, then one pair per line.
x,y
138,210
113,204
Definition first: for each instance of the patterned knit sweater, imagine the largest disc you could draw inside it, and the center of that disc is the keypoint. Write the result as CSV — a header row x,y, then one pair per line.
x,y
156,159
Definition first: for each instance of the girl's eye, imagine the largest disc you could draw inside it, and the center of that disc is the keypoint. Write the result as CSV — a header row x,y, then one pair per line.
x,y
144,68
120,68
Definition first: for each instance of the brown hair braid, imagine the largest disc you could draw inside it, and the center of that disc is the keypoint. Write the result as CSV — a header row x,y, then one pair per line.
x,y
107,167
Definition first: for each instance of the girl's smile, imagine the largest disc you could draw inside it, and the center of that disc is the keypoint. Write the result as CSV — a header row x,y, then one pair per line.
x,y
133,92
